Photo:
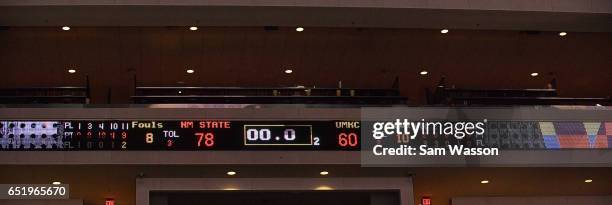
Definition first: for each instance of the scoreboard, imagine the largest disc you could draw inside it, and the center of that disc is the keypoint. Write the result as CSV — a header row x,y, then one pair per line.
x,y
186,135
237,135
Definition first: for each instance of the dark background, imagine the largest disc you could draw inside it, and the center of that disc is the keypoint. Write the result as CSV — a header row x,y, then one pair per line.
x,y
252,56
275,198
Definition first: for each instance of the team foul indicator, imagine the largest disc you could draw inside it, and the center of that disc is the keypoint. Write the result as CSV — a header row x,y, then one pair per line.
x,y
188,135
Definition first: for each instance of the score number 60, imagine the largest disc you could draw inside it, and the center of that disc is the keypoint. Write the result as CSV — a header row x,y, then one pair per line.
x,y
348,139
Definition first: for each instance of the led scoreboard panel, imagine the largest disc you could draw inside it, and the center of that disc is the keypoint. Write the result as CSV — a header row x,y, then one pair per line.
x,y
187,135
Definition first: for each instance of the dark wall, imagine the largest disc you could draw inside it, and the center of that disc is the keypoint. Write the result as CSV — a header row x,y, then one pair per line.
x,y
111,56
94,183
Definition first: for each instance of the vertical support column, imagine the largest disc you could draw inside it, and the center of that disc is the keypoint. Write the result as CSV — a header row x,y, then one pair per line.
x,y
407,193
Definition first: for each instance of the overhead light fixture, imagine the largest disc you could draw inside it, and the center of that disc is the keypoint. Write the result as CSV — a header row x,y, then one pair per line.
x,y
56,183
323,188
534,74
180,92
190,71
230,189
423,72
484,181
231,173
598,105
71,71
444,31
588,180
323,173
288,71
66,28
193,28
299,29
562,33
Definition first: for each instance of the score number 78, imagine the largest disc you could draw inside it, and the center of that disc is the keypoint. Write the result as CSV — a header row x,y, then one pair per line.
x,y
208,139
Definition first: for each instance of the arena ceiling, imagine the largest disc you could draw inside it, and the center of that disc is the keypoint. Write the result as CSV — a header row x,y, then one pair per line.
x,y
598,19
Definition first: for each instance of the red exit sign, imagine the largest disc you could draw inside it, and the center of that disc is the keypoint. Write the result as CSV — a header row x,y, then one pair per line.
x,y
110,202
425,200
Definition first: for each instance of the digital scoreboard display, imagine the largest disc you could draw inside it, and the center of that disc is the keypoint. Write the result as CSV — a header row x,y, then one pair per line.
x,y
187,135
331,135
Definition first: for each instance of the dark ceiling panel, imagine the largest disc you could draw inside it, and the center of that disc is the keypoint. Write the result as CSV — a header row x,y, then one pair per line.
x,y
303,16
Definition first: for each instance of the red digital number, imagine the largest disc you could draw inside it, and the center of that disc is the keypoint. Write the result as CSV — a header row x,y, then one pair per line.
x,y
342,140
208,138
426,201
349,139
353,139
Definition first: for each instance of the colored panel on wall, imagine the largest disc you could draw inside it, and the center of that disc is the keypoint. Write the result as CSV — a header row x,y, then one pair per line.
x,y
573,141
551,142
547,128
608,128
592,127
569,128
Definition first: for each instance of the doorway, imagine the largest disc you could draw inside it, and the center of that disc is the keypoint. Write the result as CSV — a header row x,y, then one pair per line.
x,y
275,198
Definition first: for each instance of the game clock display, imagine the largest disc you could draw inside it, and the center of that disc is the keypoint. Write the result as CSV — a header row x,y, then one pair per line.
x,y
186,135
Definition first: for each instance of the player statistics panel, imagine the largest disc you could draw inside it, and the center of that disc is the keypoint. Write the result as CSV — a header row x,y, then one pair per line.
x,y
187,135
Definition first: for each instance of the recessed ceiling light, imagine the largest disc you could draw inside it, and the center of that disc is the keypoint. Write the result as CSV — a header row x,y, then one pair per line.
x,y
562,33
66,28
484,181
288,71
444,31
299,29
588,181
323,188
534,74
190,71
598,105
56,183
423,72
323,173
230,189
71,71
231,173
180,92
193,28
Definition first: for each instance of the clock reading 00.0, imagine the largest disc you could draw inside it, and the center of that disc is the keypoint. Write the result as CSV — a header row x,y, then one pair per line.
x,y
179,135
279,135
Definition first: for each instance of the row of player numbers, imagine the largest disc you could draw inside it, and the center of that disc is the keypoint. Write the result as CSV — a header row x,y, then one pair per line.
x,y
110,126
95,135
